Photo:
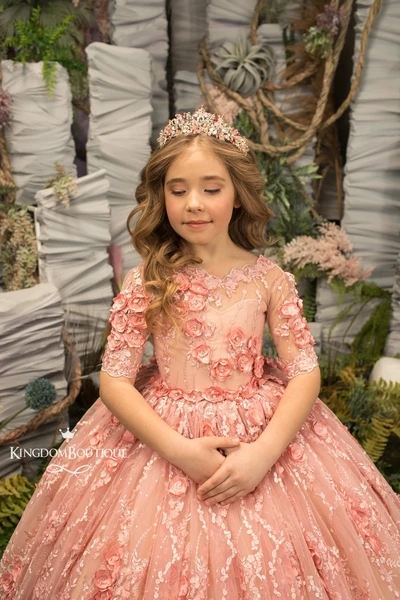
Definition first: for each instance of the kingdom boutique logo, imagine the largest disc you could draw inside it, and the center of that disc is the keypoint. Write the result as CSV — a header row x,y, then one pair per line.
x,y
68,453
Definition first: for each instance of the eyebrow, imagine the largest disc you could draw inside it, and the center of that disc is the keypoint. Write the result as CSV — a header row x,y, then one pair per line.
x,y
205,178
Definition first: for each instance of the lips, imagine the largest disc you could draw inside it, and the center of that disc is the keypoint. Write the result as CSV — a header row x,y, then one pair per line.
x,y
196,222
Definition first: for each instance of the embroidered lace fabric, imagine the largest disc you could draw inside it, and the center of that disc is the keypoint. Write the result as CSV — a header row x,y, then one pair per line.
x,y
322,524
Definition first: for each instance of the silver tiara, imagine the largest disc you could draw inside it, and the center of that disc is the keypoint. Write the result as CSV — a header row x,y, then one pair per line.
x,y
202,121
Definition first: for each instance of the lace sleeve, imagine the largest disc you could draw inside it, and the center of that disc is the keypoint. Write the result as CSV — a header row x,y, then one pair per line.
x,y
126,342
288,327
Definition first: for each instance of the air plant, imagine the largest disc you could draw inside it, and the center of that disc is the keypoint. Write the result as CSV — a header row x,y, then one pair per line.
x,y
243,67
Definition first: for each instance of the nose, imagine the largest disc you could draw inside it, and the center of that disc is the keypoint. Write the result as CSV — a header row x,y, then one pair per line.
x,y
193,200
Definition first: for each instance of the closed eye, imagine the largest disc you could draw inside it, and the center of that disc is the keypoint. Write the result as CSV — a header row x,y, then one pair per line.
x,y
177,192
212,191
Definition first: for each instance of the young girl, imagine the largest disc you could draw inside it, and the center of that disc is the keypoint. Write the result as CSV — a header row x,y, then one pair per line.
x,y
154,497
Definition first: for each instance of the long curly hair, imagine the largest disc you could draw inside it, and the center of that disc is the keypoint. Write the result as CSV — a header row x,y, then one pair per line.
x,y
163,251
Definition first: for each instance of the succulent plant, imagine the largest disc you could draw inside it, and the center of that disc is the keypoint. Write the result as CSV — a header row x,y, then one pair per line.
x,y
243,67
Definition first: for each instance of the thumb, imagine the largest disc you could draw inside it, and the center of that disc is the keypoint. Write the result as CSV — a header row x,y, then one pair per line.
x,y
227,442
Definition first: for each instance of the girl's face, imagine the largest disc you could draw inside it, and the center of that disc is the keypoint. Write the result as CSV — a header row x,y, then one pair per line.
x,y
198,187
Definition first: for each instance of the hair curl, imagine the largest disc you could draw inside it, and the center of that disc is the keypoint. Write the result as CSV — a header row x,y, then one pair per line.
x,y
162,249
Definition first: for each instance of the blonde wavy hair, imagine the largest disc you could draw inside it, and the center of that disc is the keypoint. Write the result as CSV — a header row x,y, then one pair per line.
x,y
163,251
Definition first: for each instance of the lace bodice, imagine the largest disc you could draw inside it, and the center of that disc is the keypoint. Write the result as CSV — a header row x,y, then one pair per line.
x,y
220,343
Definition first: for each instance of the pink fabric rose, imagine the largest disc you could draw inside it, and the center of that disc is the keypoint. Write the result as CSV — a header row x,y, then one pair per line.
x,y
198,288
195,302
138,302
183,588
297,323
97,438
161,390
175,394
244,363
113,557
202,353
119,320
288,310
7,582
320,429
103,595
120,301
115,342
137,321
214,394
296,452
254,345
304,339
259,366
178,485
183,282
103,579
114,420
193,327
221,369
236,337
134,338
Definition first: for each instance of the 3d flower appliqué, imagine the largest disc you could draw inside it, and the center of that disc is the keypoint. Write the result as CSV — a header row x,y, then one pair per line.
x,y
221,369
178,485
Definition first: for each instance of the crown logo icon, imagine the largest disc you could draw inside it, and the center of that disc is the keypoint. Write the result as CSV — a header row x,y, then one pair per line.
x,y
67,435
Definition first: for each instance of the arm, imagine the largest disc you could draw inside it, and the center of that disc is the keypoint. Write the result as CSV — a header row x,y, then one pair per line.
x,y
298,359
121,362
198,458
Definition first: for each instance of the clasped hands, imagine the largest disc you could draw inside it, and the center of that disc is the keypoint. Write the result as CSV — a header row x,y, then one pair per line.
x,y
223,479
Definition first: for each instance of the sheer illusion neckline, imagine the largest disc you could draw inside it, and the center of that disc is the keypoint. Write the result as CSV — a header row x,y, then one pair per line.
x,y
246,268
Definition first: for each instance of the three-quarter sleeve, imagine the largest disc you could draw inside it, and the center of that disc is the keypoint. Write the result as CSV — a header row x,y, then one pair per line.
x,y
125,344
288,327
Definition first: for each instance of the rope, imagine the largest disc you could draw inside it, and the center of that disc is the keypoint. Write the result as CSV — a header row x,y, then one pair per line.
x,y
297,147
53,410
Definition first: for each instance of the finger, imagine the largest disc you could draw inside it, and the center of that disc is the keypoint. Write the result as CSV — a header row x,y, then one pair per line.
x,y
227,442
219,477
216,490
233,498
222,497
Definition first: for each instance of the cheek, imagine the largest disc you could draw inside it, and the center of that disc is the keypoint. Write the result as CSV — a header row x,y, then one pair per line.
x,y
172,210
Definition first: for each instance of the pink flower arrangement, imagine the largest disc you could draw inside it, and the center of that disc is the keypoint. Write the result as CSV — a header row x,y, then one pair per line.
x,y
331,252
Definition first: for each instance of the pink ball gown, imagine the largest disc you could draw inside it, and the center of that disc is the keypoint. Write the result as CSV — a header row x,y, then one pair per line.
x,y
322,524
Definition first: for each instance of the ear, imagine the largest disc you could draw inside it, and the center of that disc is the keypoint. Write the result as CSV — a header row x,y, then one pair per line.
x,y
237,203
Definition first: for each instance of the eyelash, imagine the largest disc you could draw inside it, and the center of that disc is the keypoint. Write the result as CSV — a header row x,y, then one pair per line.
x,y
180,193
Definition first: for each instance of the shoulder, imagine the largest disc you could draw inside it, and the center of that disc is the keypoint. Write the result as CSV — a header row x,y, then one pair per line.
x,y
133,278
273,276
269,269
